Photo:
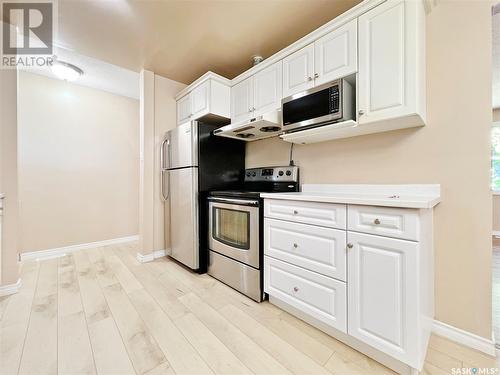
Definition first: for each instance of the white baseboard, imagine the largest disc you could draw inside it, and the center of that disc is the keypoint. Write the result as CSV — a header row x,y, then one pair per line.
x,y
61,251
464,338
144,258
9,289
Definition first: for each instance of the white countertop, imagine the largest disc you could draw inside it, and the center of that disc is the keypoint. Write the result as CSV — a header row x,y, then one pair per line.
x,y
406,196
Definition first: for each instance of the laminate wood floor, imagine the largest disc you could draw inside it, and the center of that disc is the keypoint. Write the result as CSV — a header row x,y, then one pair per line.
x,y
99,311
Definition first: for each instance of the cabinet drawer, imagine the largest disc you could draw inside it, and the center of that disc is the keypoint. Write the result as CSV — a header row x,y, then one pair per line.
x,y
323,214
319,296
314,248
384,221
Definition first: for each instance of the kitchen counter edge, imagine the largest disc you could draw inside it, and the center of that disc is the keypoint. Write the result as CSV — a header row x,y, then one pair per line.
x,y
367,200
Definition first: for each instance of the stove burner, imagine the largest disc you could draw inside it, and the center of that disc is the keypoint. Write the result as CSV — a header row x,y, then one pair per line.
x,y
270,129
245,135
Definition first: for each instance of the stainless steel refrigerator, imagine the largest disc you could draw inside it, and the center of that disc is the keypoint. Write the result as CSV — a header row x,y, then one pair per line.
x,y
194,161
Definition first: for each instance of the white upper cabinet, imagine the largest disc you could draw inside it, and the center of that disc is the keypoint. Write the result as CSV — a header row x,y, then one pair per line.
x,y
330,57
257,94
208,101
298,71
335,54
200,97
242,101
184,109
391,81
268,89
379,46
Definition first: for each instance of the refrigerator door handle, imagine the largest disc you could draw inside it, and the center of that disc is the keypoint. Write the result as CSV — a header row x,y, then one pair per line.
x,y
165,185
162,153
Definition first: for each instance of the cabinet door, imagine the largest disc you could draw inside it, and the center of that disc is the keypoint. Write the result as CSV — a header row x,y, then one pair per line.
x,y
386,64
268,89
184,109
335,54
200,100
242,101
298,71
382,294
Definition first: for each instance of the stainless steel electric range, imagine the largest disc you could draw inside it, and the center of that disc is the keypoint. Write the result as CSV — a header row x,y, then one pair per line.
x,y
236,228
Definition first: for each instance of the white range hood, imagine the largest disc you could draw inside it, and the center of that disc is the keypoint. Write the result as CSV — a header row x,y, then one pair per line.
x,y
263,126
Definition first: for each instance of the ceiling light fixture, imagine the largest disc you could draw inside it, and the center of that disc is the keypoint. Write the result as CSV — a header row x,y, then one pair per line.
x,y
66,71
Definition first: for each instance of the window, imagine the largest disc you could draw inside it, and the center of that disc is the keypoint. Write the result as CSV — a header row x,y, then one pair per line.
x,y
495,157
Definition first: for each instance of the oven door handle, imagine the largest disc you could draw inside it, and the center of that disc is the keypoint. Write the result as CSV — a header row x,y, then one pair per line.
x,y
244,202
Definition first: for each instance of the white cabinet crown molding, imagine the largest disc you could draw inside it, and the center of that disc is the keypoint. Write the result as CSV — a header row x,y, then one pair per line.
x,y
205,77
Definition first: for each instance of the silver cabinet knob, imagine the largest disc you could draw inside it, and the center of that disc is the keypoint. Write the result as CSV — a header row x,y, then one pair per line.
x,y
309,78
295,245
316,75
350,245
376,221
295,212
295,289
250,110
361,112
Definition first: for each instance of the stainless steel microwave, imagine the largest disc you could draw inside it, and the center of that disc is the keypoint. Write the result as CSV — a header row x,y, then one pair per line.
x,y
321,105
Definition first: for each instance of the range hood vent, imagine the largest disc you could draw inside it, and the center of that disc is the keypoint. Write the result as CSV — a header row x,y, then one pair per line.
x,y
263,126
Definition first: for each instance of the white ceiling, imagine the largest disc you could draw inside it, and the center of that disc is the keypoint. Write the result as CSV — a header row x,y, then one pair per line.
x,y
496,60
98,74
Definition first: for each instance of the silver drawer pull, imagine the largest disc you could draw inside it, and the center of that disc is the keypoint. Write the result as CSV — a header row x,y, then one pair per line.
x,y
295,245
350,245
295,212
376,221
295,289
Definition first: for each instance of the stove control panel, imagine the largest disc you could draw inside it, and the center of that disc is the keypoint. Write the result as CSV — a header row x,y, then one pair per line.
x,y
276,174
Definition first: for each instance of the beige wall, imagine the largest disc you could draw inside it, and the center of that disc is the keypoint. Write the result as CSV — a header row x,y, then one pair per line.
x,y
453,150
146,171
158,115
9,177
78,164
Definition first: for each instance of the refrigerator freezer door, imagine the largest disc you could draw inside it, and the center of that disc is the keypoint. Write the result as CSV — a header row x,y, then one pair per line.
x,y
184,216
182,146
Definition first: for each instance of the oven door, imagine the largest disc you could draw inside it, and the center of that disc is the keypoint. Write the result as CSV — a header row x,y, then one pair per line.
x,y
234,229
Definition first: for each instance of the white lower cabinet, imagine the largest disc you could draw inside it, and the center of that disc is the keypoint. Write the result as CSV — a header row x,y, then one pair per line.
x,y
369,278
322,297
382,288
